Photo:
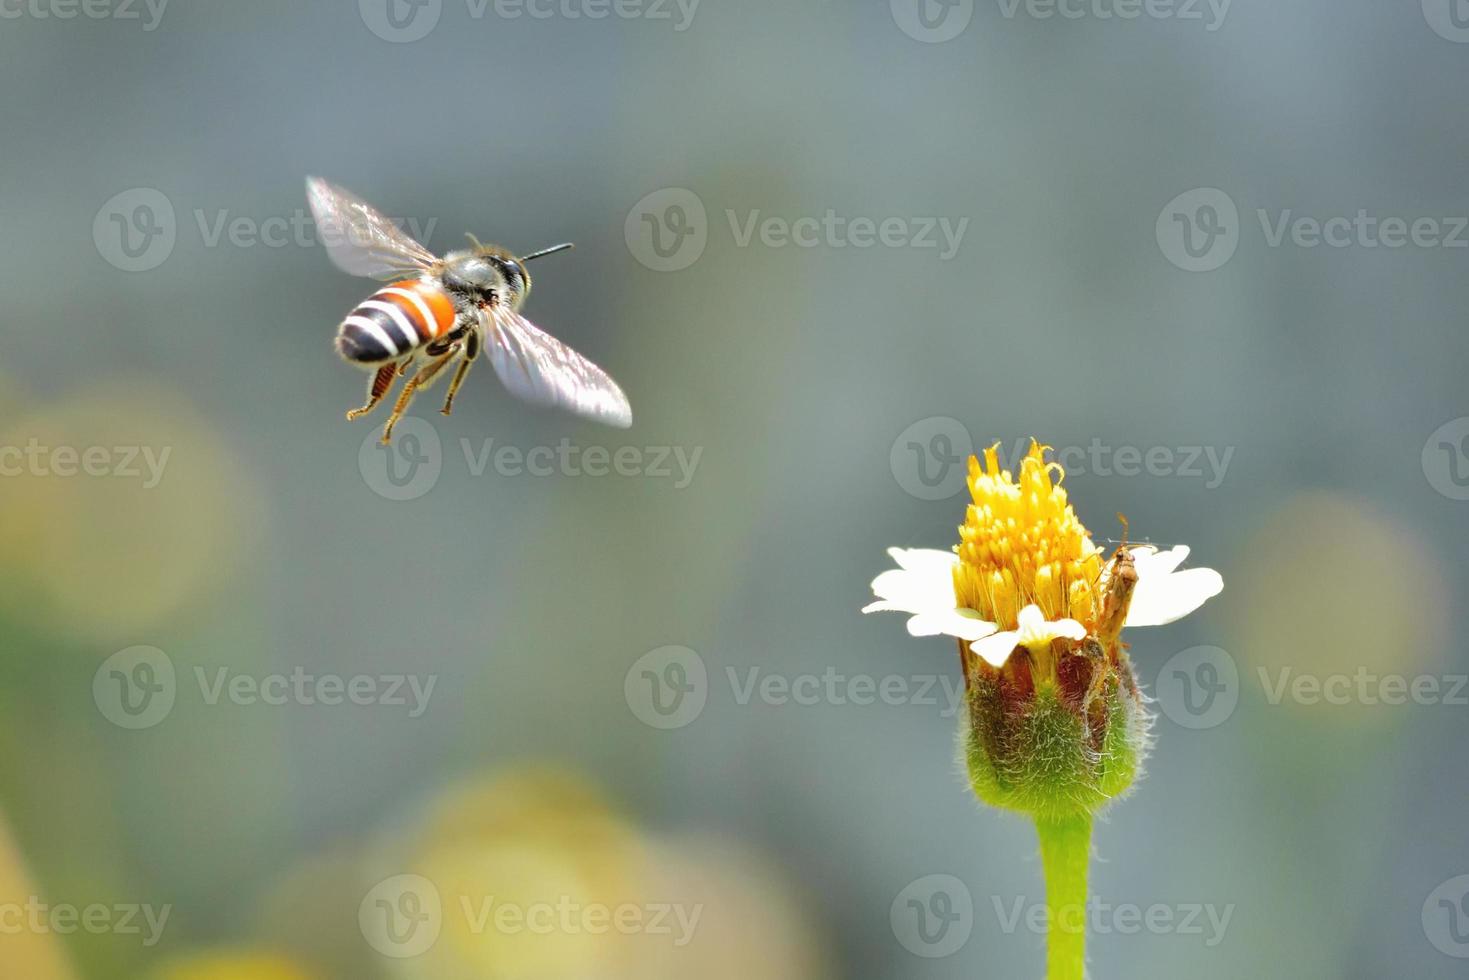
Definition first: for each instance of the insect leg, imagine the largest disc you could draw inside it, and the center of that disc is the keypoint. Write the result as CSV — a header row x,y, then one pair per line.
x,y
405,397
471,351
376,389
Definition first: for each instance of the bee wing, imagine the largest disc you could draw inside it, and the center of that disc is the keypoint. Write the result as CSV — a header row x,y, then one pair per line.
x,y
544,371
358,238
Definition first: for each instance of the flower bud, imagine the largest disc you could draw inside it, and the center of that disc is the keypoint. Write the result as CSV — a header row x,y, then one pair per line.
x,y
1056,726
1055,747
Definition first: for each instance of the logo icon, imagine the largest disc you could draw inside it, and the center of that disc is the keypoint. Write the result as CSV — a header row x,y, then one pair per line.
x,y
667,230
1198,230
409,466
401,21
135,688
1446,459
402,916
667,688
1446,917
135,230
932,21
1448,18
930,458
1199,687
933,916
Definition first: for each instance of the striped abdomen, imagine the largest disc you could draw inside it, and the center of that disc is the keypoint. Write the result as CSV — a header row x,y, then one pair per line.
x,y
394,321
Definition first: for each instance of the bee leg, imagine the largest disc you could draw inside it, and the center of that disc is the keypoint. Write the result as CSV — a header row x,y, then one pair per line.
x,y
405,397
471,350
376,389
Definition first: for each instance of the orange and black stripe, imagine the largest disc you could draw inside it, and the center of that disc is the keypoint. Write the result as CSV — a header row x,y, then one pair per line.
x,y
394,321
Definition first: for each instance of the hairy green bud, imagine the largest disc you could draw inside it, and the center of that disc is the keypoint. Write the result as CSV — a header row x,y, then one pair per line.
x,y
1059,746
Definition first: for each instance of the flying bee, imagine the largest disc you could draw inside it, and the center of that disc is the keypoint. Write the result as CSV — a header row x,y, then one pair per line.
x,y
438,313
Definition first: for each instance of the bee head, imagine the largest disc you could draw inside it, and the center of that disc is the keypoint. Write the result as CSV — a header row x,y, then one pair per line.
x,y
485,272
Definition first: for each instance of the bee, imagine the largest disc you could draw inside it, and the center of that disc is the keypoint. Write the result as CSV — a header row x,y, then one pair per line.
x,y
437,313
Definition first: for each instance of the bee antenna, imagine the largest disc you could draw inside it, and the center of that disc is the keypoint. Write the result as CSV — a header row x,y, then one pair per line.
x,y
472,240
547,251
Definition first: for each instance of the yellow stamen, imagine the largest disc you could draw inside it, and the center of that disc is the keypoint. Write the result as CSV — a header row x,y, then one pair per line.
x,y
1021,543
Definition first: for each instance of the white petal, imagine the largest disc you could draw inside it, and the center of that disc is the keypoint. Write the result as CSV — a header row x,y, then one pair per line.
x,y
963,623
1160,599
924,588
929,560
928,624
906,590
995,648
1031,618
1037,631
1154,562
1068,628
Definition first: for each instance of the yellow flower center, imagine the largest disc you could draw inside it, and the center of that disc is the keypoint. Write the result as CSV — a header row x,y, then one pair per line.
x,y
1021,543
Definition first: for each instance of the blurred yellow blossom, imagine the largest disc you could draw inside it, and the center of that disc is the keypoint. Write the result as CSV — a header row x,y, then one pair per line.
x,y
1343,596
535,877
32,955
117,506
232,965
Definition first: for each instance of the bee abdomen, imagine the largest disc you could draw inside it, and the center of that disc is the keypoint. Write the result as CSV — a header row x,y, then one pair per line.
x,y
394,321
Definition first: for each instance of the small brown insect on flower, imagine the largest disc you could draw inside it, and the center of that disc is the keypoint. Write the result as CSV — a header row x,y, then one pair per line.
x,y
1121,580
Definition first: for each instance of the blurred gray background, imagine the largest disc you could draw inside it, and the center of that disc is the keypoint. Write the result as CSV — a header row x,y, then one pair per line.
x,y
1133,275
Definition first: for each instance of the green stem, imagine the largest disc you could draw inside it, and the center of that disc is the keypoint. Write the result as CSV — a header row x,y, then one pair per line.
x,y
1065,854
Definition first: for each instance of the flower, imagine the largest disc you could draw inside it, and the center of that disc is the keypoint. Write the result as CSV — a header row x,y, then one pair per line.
x,y
1056,726
1026,572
